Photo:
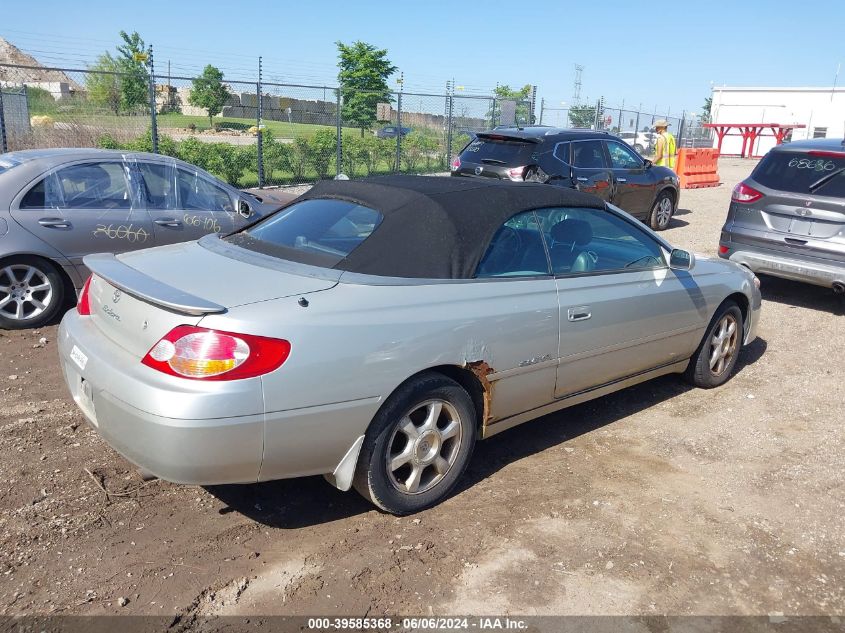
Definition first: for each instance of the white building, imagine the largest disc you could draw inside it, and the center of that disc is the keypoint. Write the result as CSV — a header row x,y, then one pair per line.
x,y
821,110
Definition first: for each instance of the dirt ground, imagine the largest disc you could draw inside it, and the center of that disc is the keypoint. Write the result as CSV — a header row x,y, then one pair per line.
x,y
659,499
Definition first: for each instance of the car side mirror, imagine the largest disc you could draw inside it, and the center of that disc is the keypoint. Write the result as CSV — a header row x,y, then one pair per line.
x,y
681,260
648,163
244,210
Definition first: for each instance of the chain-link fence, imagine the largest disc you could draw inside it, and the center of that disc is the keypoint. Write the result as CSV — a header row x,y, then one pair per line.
x,y
291,134
267,133
636,127
14,116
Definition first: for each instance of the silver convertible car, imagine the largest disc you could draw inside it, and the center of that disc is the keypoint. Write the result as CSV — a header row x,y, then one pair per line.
x,y
371,331
58,205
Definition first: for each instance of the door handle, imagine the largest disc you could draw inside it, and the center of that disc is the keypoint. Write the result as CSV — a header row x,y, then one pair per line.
x,y
54,223
581,179
621,180
171,222
579,313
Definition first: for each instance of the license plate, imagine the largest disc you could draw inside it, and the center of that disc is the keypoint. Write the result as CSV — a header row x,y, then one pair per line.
x,y
78,357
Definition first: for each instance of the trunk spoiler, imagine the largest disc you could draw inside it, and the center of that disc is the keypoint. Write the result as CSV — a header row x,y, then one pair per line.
x,y
495,135
144,287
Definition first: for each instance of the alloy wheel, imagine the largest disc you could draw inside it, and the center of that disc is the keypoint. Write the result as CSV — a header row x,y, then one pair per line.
x,y
424,446
25,292
664,211
723,344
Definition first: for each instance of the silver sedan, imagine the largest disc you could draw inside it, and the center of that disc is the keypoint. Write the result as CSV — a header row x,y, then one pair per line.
x,y
372,331
58,205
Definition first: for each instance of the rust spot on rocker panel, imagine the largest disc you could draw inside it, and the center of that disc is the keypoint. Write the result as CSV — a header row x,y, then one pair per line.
x,y
481,369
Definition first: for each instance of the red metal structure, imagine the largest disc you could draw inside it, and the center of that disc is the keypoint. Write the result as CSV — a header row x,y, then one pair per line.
x,y
750,132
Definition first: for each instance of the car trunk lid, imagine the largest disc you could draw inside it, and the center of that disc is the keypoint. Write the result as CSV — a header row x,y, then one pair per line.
x,y
491,154
795,211
138,297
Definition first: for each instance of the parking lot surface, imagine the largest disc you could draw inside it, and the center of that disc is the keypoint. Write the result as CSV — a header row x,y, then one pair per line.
x,y
659,499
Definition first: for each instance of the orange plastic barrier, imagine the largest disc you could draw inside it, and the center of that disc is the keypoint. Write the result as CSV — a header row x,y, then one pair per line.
x,y
697,168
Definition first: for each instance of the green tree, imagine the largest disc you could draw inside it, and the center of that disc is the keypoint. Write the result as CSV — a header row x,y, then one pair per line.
x,y
705,110
209,92
582,116
102,85
134,82
363,71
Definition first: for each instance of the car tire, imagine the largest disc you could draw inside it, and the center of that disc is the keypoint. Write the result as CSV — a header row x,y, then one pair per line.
x,y
418,445
639,148
32,292
716,356
661,211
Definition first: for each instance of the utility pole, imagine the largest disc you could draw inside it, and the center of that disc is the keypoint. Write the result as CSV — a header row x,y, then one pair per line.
x,y
259,116
401,83
576,91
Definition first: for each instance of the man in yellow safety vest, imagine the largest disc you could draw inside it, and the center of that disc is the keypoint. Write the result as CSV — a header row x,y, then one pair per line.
x,y
665,149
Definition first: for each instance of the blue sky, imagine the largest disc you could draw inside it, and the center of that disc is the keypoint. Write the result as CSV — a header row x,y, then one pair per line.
x,y
659,55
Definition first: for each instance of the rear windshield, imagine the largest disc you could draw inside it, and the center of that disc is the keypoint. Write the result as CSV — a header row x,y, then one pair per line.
x,y
797,171
498,151
320,232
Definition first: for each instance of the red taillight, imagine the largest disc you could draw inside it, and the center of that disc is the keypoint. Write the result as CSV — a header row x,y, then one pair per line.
x,y
744,193
723,249
456,164
83,306
516,173
203,354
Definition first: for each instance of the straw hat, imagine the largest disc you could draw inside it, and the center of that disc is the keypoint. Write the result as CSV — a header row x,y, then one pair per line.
x,y
662,123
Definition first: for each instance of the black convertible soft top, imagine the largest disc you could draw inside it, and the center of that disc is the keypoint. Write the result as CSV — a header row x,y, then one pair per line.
x,y
435,227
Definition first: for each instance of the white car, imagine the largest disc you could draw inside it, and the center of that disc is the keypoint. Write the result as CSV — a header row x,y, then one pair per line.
x,y
640,141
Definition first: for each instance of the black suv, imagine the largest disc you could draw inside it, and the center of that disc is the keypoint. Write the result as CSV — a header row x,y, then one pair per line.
x,y
595,162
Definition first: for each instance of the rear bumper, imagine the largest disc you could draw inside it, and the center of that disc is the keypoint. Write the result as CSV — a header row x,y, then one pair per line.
x,y
182,450
778,264
190,432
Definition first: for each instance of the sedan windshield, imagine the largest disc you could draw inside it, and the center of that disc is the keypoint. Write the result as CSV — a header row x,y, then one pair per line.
x,y
320,232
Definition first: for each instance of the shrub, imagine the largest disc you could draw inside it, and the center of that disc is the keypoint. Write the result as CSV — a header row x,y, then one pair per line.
x,y
233,161
299,158
40,101
203,155
107,141
276,154
415,147
355,152
144,143
323,147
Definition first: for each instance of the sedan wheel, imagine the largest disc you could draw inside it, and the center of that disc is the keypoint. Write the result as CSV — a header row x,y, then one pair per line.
x,y
716,357
417,446
31,293
723,345
424,446
661,213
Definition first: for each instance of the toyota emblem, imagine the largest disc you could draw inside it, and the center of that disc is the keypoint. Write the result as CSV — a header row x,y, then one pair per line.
x,y
478,170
